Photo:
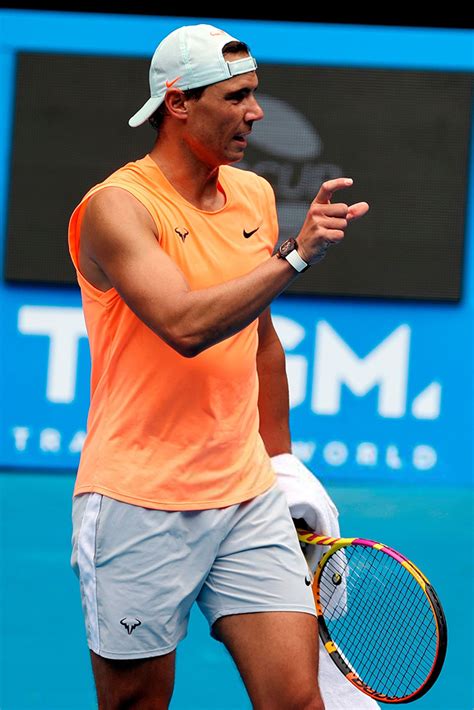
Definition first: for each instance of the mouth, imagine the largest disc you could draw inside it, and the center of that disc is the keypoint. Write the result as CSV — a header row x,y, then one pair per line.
x,y
241,138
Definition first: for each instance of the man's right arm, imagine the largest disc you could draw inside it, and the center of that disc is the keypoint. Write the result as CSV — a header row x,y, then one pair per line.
x,y
118,239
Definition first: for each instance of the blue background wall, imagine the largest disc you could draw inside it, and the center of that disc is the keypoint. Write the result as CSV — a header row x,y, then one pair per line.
x,y
395,452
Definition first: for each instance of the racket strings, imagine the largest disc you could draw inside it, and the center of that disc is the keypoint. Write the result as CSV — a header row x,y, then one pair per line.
x,y
395,650
389,627
360,617
420,613
424,669
377,613
363,611
387,630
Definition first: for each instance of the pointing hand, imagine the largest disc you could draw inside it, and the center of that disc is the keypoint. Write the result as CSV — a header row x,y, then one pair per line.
x,y
325,221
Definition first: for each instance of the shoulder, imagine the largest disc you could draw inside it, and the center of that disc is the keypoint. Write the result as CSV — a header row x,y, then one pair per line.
x,y
114,209
121,193
129,173
114,199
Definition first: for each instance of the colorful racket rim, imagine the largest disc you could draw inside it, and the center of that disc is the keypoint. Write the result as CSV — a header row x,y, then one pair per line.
x,y
379,618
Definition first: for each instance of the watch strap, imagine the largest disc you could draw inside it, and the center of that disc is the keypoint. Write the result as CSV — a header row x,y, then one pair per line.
x,y
296,261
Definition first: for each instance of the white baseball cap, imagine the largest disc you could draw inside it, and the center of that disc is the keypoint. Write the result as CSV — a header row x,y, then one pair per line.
x,y
188,58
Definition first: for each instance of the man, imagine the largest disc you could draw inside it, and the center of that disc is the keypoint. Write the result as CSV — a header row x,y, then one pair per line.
x,y
175,499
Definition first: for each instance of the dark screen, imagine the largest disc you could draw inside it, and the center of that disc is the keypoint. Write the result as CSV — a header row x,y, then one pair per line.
x,y
402,136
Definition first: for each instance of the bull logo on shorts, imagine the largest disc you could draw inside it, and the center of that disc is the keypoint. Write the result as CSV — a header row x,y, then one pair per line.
x,y
130,623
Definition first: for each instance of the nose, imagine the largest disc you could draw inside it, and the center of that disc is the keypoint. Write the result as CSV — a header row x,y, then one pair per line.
x,y
254,111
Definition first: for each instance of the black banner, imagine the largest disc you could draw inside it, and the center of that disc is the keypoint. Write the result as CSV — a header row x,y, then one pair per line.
x,y
402,135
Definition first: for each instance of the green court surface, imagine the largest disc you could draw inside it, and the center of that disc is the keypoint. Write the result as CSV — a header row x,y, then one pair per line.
x,y
44,661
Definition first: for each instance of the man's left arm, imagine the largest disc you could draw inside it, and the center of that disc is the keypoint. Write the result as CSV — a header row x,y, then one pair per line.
x,y
273,398
307,499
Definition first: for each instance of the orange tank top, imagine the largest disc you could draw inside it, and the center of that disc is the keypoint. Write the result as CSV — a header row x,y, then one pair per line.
x,y
165,431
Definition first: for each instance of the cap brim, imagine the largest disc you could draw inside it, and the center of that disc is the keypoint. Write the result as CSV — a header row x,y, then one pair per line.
x,y
147,110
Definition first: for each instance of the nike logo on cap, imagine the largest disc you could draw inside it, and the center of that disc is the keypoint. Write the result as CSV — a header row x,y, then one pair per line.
x,y
249,234
169,84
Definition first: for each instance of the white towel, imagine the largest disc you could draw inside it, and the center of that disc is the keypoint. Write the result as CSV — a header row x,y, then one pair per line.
x,y
308,499
338,693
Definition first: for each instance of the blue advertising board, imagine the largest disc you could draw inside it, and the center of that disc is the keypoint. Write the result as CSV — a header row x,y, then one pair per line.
x,y
379,389
377,394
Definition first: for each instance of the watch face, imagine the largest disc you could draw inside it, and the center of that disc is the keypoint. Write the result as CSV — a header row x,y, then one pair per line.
x,y
286,247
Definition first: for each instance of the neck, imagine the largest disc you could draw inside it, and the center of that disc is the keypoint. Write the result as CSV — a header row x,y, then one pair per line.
x,y
196,181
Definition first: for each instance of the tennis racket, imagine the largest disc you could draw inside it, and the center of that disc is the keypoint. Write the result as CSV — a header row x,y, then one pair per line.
x,y
379,618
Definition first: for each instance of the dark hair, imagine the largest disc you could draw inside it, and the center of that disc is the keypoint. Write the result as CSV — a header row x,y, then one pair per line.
x,y
156,119
235,47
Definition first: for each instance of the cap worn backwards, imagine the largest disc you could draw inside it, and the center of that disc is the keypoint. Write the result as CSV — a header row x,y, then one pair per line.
x,y
188,58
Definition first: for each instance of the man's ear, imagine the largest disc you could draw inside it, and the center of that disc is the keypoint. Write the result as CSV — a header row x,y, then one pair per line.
x,y
176,104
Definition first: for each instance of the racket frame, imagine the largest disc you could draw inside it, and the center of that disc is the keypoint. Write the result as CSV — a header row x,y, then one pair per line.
x,y
338,543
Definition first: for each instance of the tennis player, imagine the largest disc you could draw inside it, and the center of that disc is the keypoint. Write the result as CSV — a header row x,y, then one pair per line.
x,y
176,499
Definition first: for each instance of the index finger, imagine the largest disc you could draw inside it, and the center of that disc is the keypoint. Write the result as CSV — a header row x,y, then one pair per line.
x,y
327,188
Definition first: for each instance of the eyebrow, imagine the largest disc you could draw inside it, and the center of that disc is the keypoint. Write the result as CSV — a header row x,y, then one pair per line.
x,y
239,92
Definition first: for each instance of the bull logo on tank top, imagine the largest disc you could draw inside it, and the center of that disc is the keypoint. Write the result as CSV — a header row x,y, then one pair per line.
x,y
182,232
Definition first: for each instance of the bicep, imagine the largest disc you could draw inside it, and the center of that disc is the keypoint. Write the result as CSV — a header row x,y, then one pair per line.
x,y
120,237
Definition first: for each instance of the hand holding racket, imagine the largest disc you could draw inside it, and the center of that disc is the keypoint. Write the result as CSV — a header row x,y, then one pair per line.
x,y
379,618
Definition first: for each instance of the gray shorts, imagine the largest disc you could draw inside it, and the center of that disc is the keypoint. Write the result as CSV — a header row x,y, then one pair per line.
x,y
141,569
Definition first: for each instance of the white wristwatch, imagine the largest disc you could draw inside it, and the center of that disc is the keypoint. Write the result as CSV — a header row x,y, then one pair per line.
x,y
289,251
